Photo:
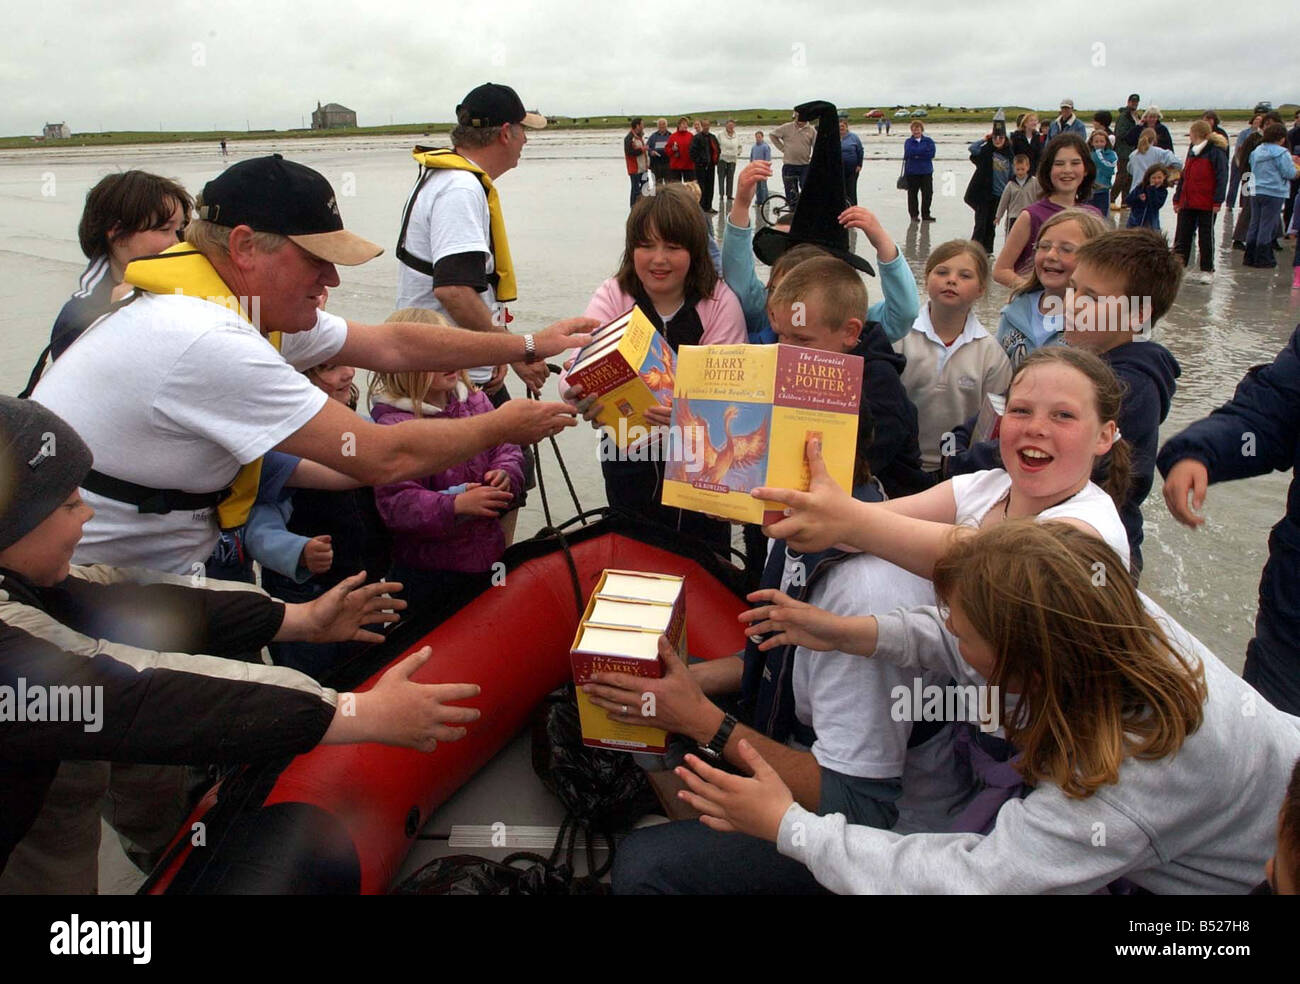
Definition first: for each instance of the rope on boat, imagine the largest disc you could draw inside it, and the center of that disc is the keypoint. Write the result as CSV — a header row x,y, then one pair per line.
x,y
550,529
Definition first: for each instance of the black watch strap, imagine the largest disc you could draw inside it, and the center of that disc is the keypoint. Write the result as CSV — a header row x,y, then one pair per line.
x,y
718,743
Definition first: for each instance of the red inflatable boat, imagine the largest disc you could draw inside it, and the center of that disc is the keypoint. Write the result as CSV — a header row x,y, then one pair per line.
x,y
341,818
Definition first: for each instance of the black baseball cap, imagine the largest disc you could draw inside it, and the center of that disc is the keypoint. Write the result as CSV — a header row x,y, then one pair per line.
x,y
270,194
492,104
1133,97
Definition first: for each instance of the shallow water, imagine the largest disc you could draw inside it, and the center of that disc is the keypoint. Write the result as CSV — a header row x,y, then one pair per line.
x,y
565,207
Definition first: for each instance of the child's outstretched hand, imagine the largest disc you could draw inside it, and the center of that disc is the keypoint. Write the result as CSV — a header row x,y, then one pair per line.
x,y
786,622
498,479
749,177
816,519
737,804
1188,478
399,711
857,217
341,613
318,554
482,500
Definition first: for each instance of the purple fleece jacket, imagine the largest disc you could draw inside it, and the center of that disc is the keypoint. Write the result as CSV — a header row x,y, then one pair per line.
x,y
427,534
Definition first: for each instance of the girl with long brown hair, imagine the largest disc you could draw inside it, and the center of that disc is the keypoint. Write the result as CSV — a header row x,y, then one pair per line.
x,y
666,272
1065,175
1149,759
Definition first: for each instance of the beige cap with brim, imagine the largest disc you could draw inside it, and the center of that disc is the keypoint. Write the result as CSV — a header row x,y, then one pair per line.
x,y
341,247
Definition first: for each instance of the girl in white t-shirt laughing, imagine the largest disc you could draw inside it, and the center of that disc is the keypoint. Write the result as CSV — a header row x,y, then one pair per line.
x,y
1060,418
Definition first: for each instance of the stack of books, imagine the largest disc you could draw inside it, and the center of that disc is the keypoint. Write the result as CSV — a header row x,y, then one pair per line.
x,y
628,366
619,633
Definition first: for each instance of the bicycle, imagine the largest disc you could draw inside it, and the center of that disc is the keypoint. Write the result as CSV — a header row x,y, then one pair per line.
x,y
774,207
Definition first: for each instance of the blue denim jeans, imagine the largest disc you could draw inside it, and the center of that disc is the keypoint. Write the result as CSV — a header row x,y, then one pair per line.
x,y
637,181
1265,227
687,858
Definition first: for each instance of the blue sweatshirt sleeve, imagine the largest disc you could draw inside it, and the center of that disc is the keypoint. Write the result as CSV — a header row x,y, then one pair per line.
x,y
1262,417
269,542
738,274
900,305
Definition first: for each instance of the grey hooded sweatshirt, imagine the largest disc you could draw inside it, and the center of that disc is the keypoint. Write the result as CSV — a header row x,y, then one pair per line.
x,y
1203,820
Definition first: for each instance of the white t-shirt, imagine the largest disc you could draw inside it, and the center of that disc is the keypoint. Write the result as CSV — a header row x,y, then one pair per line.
x,y
978,492
174,392
450,216
847,698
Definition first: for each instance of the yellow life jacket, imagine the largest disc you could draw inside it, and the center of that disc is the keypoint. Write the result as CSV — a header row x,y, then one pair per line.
x,y
182,269
505,286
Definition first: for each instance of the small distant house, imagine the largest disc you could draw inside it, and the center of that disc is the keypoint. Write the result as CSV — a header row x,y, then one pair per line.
x,y
56,131
332,115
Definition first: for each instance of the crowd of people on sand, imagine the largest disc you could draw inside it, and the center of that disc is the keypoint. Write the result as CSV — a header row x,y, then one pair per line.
x,y
1125,161
226,493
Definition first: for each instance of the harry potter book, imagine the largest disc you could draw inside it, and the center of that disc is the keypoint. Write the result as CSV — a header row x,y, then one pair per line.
x,y
742,415
619,633
628,366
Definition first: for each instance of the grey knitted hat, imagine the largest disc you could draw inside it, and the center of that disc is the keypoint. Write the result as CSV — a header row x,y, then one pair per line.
x,y
41,461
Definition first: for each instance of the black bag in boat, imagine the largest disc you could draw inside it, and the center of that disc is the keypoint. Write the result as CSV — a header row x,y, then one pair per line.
x,y
602,789
465,874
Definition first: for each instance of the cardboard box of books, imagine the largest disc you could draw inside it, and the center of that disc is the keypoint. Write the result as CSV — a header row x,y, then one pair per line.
x,y
629,367
619,633
741,417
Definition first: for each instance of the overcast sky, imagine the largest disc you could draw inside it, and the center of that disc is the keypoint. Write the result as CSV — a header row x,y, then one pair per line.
x,y
213,64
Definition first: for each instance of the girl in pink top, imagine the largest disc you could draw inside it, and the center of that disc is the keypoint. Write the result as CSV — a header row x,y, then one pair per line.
x,y
667,273
1065,175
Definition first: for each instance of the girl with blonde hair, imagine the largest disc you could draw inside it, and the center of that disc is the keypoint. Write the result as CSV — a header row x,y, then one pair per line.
x,y
446,527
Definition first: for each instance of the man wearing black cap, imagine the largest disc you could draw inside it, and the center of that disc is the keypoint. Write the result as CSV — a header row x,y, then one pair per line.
x,y
1125,120
453,251
175,393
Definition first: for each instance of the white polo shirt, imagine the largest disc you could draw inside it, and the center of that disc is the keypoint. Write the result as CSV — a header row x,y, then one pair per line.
x,y
174,392
449,216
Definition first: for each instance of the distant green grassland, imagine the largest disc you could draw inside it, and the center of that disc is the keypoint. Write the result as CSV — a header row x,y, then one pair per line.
x,y
744,117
